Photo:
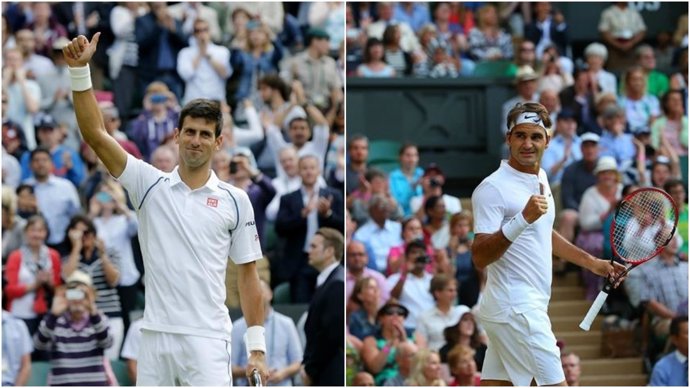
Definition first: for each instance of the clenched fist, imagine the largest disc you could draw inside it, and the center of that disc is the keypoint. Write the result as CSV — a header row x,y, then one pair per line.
x,y
535,208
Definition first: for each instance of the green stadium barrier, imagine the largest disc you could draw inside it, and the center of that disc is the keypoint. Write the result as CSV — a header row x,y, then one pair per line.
x,y
39,374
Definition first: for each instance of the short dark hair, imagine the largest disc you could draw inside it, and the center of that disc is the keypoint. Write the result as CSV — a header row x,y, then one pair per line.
x,y
76,219
275,82
671,183
439,282
419,244
666,96
334,239
356,137
371,42
296,119
373,172
431,202
675,324
202,108
405,146
40,150
24,187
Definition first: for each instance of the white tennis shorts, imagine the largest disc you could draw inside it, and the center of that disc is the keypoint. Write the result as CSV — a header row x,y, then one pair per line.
x,y
167,359
522,349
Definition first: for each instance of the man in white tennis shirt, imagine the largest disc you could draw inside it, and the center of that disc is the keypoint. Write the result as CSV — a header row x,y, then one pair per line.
x,y
514,213
190,222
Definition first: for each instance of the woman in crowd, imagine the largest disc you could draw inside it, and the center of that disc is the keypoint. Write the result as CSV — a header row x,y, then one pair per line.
x,y
487,41
88,254
463,368
596,55
641,108
470,279
597,203
12,225
426,370
552,74
411,231
673,125
401,61
465,332
373,65
404,181
365,295
436,229
32,272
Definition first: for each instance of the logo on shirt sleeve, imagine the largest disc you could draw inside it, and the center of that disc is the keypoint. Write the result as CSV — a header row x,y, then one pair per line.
x,y
212,202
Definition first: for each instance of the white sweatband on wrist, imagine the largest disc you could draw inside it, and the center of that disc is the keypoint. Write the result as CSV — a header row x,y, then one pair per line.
x,y
513,228
80,77
254,339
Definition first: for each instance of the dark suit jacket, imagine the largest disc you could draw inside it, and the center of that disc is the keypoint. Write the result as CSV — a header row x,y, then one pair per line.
x,y
293,228
560,38
324,354
148,33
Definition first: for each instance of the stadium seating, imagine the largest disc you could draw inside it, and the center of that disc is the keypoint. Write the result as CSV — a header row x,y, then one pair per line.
x,y
281,294
493,69
39,373
683,160
120,370
383,151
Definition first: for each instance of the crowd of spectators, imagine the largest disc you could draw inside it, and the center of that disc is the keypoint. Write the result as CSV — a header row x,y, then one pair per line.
x,y
619,124
276,69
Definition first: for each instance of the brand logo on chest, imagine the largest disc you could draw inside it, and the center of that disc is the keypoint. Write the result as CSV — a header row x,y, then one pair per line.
x,y
212,202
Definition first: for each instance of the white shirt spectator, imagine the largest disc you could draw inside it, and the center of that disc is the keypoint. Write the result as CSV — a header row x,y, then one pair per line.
x,y
432,322
117,232
11,170
415,295
58,201
203,81
380,240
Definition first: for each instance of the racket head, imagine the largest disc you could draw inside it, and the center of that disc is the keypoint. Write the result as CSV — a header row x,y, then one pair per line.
x,y
643,224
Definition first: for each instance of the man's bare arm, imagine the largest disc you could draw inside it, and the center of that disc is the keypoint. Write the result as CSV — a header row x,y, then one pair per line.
x,y
252,305
78,53
488,248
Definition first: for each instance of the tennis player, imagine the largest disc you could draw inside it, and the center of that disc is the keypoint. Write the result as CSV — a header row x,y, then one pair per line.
x,y
514,215
190,223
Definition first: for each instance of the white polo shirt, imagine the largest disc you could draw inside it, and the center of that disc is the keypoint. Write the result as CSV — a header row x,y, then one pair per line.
x,y
521,279
186,237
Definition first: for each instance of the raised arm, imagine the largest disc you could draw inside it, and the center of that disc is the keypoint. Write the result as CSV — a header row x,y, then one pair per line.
x,y
78,53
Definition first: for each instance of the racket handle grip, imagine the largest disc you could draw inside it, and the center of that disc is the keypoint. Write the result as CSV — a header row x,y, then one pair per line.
x,y
257,378
593,311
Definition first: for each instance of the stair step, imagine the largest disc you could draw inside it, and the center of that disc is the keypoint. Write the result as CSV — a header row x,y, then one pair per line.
x,y
585,352
622,380
569,279
572,322
569,308
562,293
579,337
612,366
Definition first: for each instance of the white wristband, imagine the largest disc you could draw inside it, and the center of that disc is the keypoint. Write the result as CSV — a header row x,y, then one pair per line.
x,y
81,78
254,339
513,228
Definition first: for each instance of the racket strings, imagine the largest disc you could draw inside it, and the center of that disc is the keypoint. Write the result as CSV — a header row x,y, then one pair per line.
x,y
642,225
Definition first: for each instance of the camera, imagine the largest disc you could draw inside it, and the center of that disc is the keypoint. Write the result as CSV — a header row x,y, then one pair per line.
x,y
423,259
233,167
434,182
74,294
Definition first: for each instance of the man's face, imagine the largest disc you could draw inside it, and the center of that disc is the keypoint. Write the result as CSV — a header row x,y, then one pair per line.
x,y
111,121
48,136
409,158
379,212
41,165
309,171
527,54
201,32
288,160
681,340
385,11
566,127
359,151
590,151
26,41
677,192
356,257
550,100
197,141
299,132
163,160
571,368
647,60
13,60
318,254
266,93
448,294
412,257
526,89
527,144
321,45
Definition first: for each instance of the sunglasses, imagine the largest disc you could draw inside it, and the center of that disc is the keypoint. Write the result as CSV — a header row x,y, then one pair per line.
x,y
395,311
198,30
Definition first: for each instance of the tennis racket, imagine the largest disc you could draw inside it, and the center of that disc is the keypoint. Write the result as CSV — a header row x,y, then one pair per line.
x,y
257,378
643,224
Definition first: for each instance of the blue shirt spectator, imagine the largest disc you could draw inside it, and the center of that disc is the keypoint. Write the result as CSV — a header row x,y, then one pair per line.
x,y
404,188
17,346
670,370
621,147
381,239
415,15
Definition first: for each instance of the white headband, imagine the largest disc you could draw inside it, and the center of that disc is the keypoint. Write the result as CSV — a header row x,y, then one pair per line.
x,y
528,118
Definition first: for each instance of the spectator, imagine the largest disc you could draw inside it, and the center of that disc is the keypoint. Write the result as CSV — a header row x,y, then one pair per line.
x,y
550,100
23,96
157,121
548,28
66,162
12,224
315,60
677,190
597,202
379,233
571,368
269,13
324,356
580,97
621,28
116,225
373,65
564,148
464,332
384,10
487,41
36,65
526,56
462,366
57,197
596,55
375,183
46,28
432,183
412,284
11,170
123,60
413,14
395,55
379,350
112,123
33,273
411,231
614,141
366,296
204,67
449,31
404,181
27,204
657,82
358,153
426,370
88,255
130,349
285,351
329,16
664,287
17,346
641,107
526,87
300,214
552,73
672,368
190,12
13,138
430,323
663,169
275,94
673,125
288,159
363,379
470,279
358,268
442,65
436,227
404,354
160,38
76,333
164,158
